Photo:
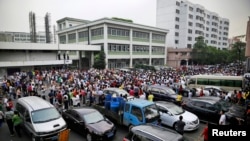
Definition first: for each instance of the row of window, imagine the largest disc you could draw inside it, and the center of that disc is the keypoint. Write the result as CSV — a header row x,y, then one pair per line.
x,y
136,48
114,32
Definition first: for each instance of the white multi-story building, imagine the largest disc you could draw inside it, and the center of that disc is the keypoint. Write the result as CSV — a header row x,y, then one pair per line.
x,y
125,43
186,21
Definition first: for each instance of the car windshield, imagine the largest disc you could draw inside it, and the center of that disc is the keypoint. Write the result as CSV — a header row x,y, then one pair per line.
x,y
223,105
176,110
151,113
45,115
93,117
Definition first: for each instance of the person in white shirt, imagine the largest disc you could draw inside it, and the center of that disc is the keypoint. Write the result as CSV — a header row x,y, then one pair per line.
x,y
222,120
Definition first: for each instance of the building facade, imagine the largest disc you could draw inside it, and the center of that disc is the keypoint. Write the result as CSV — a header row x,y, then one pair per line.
x,y
178,57
16,57
125,43
22,37
186,21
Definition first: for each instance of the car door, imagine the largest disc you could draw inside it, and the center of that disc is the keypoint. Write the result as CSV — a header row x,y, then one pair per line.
x,y
136,116
166,117
79,123
212,113
156,93
198,109
69,118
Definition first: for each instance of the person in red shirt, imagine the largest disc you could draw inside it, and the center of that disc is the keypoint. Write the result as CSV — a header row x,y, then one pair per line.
x,y
239,97
131,91
205,132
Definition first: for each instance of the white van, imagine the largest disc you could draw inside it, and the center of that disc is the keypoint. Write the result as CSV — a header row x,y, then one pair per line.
x,y
41,120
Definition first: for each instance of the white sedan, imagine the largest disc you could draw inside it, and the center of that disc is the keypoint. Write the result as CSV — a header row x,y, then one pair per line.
x,y
169,114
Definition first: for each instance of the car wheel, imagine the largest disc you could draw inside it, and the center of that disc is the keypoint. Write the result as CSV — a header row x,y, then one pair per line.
x,y
33,138
89,137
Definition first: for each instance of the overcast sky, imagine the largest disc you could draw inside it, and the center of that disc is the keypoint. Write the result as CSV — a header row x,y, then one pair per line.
x,y
14,14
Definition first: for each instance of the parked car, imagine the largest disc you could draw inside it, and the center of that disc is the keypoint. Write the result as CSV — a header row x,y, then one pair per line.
x,y
196,92
150,132
170,115
41,120
162,93
208,109
89,122
215,90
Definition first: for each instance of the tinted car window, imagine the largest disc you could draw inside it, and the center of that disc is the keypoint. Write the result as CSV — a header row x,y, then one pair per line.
x,y
199,104
20,108
155,90
127,107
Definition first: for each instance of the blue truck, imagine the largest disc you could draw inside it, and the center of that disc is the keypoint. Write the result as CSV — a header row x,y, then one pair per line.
x,y
130,112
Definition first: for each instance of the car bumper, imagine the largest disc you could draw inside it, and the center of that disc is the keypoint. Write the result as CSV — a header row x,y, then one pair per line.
x,y
191,127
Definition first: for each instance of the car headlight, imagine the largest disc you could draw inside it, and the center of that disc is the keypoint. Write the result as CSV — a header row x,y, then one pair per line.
x,y
97,133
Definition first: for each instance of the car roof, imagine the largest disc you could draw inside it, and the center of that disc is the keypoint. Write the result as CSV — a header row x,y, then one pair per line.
x,y
140,102
159,132
165,103
208,99
160,86
84,110
34,102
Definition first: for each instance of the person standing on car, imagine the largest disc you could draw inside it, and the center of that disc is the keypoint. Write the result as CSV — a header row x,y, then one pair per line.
x,y
180,125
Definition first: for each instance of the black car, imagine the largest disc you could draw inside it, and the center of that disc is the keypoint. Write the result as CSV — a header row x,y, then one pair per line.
x,y
150,132
208,109
89,122
162,93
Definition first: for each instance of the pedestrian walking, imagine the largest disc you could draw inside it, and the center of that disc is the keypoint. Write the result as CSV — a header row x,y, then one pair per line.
x,y
180,125
222,120
8,118
16,119
205,133
1,118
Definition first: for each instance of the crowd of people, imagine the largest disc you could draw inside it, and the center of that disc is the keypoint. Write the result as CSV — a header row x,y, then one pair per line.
x,y
61,86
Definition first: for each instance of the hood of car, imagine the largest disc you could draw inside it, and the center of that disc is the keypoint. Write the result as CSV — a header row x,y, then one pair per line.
x,y
189,117
101,127
236,111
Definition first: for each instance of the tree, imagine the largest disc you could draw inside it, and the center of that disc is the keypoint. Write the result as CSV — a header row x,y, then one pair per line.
x,y
197,53
239,50
99,61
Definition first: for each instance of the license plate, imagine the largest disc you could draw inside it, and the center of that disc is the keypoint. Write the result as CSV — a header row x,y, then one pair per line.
x,y
54,138
110,134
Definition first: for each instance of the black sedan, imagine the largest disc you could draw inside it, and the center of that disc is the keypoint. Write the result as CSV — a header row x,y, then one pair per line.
x,y
208,109
89,122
